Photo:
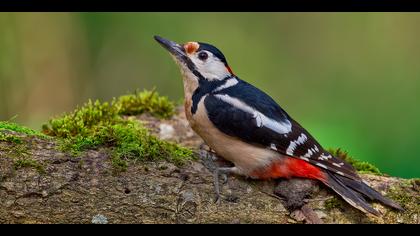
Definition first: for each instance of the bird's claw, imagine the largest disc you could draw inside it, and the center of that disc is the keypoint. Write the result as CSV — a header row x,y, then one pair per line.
x,y
223,173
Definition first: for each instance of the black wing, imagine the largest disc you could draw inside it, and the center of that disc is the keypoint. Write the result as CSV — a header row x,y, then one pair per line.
x,y
247,113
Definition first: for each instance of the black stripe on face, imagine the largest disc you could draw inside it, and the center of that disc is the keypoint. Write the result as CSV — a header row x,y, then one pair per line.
x,y
205,87
216,52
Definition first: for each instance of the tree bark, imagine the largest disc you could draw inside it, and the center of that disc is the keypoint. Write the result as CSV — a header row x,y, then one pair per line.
x,y
87,189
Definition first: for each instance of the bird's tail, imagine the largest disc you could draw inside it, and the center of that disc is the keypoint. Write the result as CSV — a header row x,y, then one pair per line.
x,y
355,193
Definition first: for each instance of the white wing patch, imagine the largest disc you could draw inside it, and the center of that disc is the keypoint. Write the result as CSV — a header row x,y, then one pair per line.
x,y
293,144
305,159
311,151
229,83
261,119
273,146
324,157
340,173
321,165
339,165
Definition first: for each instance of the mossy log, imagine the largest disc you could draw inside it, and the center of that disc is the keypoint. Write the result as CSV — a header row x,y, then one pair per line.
x,y
47,185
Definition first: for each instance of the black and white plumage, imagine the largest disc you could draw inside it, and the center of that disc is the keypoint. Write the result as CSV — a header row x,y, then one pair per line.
x,y
246,112
247,127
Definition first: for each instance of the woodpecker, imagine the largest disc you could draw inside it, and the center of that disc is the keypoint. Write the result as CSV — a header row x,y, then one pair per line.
x,y
247,127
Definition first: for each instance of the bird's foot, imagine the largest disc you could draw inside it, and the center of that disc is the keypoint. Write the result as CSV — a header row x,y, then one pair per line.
x,y
217,165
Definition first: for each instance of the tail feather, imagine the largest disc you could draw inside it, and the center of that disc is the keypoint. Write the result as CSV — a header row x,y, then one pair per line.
x,y
349,195
355,191
369,192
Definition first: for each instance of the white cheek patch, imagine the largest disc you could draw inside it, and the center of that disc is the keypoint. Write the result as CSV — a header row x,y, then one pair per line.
x,y
212,68
261,119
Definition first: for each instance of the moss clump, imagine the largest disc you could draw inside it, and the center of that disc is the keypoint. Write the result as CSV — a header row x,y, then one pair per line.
x,y
99,124
24,162
94,115
9,132
6,125
146,101
83,122
4,137
360,166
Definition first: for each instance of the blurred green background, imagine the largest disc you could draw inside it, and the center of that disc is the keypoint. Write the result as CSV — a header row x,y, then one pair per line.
x,y
352,79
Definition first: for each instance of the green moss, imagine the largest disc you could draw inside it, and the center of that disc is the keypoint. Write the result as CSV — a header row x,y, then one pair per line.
x,y
99,124
94,115
130,140
4,137
15,151
146,101
407,195
83,121
118,163
332,203
28,163
360,166
6,125
400,197
19,153
76,145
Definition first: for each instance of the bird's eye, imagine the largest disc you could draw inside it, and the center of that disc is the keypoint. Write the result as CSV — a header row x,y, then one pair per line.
x,y
203,56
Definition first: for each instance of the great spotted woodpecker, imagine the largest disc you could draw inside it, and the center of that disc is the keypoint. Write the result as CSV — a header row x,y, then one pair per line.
x,y
247,127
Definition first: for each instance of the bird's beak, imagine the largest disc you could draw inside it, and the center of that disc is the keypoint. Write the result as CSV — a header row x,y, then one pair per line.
x,y
175,49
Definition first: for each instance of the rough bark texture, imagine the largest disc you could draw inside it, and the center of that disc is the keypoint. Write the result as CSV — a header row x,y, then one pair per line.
x,y
87,189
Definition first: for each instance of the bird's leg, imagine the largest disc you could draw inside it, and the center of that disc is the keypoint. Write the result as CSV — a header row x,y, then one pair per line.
x,y
208,158
211,161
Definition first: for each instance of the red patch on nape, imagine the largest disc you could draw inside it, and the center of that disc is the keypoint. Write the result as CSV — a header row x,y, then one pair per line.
x,y
230,70
288,168
191,47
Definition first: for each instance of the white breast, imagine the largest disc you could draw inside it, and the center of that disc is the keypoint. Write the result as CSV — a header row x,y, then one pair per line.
x,y
246,157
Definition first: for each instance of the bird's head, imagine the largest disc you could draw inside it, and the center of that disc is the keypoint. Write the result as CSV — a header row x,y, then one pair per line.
x,y
199,60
